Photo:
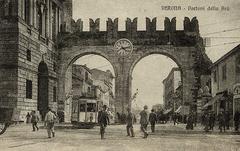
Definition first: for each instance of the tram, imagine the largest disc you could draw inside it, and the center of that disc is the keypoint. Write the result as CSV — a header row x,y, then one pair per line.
x,y
85,112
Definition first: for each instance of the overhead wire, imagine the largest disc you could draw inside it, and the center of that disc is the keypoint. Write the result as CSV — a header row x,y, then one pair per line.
x,y
222,21
222,31
227,43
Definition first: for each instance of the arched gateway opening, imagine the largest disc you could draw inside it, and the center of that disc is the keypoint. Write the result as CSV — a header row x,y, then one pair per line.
x,y
157,83
124,49
89,77
42,103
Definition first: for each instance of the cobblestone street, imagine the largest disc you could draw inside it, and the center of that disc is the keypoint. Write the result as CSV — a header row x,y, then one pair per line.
x,y
167,138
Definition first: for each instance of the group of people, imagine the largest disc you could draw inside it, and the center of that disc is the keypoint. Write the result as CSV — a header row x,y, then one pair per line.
x,y
49,121
145,119
209,120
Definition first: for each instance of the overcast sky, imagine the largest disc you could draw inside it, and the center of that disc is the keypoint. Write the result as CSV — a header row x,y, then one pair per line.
x,y
156,67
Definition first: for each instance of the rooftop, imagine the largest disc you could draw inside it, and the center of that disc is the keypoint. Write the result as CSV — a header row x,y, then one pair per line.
x,y
224,57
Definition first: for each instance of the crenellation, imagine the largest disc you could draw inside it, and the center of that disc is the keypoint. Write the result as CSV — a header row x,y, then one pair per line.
x,y
173,24
112,28
151,25
167,24
191,26
131,27
94,26
195,25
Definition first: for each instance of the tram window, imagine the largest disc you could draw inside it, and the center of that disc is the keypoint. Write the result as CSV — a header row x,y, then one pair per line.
x,y
82,107
91,107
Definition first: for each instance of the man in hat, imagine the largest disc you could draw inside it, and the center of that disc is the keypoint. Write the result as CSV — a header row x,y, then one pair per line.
x,y
153,120
103,120
130,121
236,120
49,122
221,119
144,120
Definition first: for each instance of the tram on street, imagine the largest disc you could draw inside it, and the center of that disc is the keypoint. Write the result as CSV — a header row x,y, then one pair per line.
x,y
85,112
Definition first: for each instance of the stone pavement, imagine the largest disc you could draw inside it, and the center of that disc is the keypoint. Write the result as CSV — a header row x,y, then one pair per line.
x,y
168,138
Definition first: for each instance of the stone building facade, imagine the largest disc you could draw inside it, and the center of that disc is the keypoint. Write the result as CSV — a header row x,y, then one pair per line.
x,y
28,60
104,80
82,82
225,73
171,83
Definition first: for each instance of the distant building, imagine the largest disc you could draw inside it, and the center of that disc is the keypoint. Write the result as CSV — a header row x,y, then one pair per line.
x,y
104,80
82,81
225,75
171,83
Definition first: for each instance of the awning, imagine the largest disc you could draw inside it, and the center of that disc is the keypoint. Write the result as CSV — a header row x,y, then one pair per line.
x,y
179,109
213,100
167,111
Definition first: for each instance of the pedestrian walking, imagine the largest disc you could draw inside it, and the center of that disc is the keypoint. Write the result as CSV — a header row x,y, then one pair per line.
x,y
190,122
28,118
34,121
174,118
227,120
236,120
211,121
152,120
144,121
103,120
207,122
91,117
130,121
49,122
221,120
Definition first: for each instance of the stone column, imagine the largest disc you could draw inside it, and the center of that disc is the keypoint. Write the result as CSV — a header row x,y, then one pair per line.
x,y
122,86
188,80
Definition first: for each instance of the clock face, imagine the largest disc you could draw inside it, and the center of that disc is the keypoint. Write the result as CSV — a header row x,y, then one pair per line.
x,y
123,47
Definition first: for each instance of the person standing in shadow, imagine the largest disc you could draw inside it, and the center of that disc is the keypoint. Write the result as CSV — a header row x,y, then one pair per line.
x,y
130,122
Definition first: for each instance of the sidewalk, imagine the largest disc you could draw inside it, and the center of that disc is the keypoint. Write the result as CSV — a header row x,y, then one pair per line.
x,y
199,129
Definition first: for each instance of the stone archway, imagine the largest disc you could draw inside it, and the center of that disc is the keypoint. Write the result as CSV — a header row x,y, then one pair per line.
x,y
69,55
42,102
182,46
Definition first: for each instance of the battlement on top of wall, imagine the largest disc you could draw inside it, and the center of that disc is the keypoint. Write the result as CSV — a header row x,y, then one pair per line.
x,y
72,33
112,25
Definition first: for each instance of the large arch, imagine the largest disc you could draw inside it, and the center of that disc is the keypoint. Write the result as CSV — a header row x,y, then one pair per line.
x,y
149,72
70,55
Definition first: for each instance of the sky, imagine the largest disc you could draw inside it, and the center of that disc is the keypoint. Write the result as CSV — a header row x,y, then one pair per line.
x,y
222,27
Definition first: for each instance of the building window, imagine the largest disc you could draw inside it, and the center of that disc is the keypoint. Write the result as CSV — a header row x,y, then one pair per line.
x,y
238,65
28,89
27,11
54,94
54,67
28,55
215,76
54,12
89,90
224,72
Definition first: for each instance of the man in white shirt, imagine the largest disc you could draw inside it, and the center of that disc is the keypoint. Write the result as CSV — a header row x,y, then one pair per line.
x,y
49,122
